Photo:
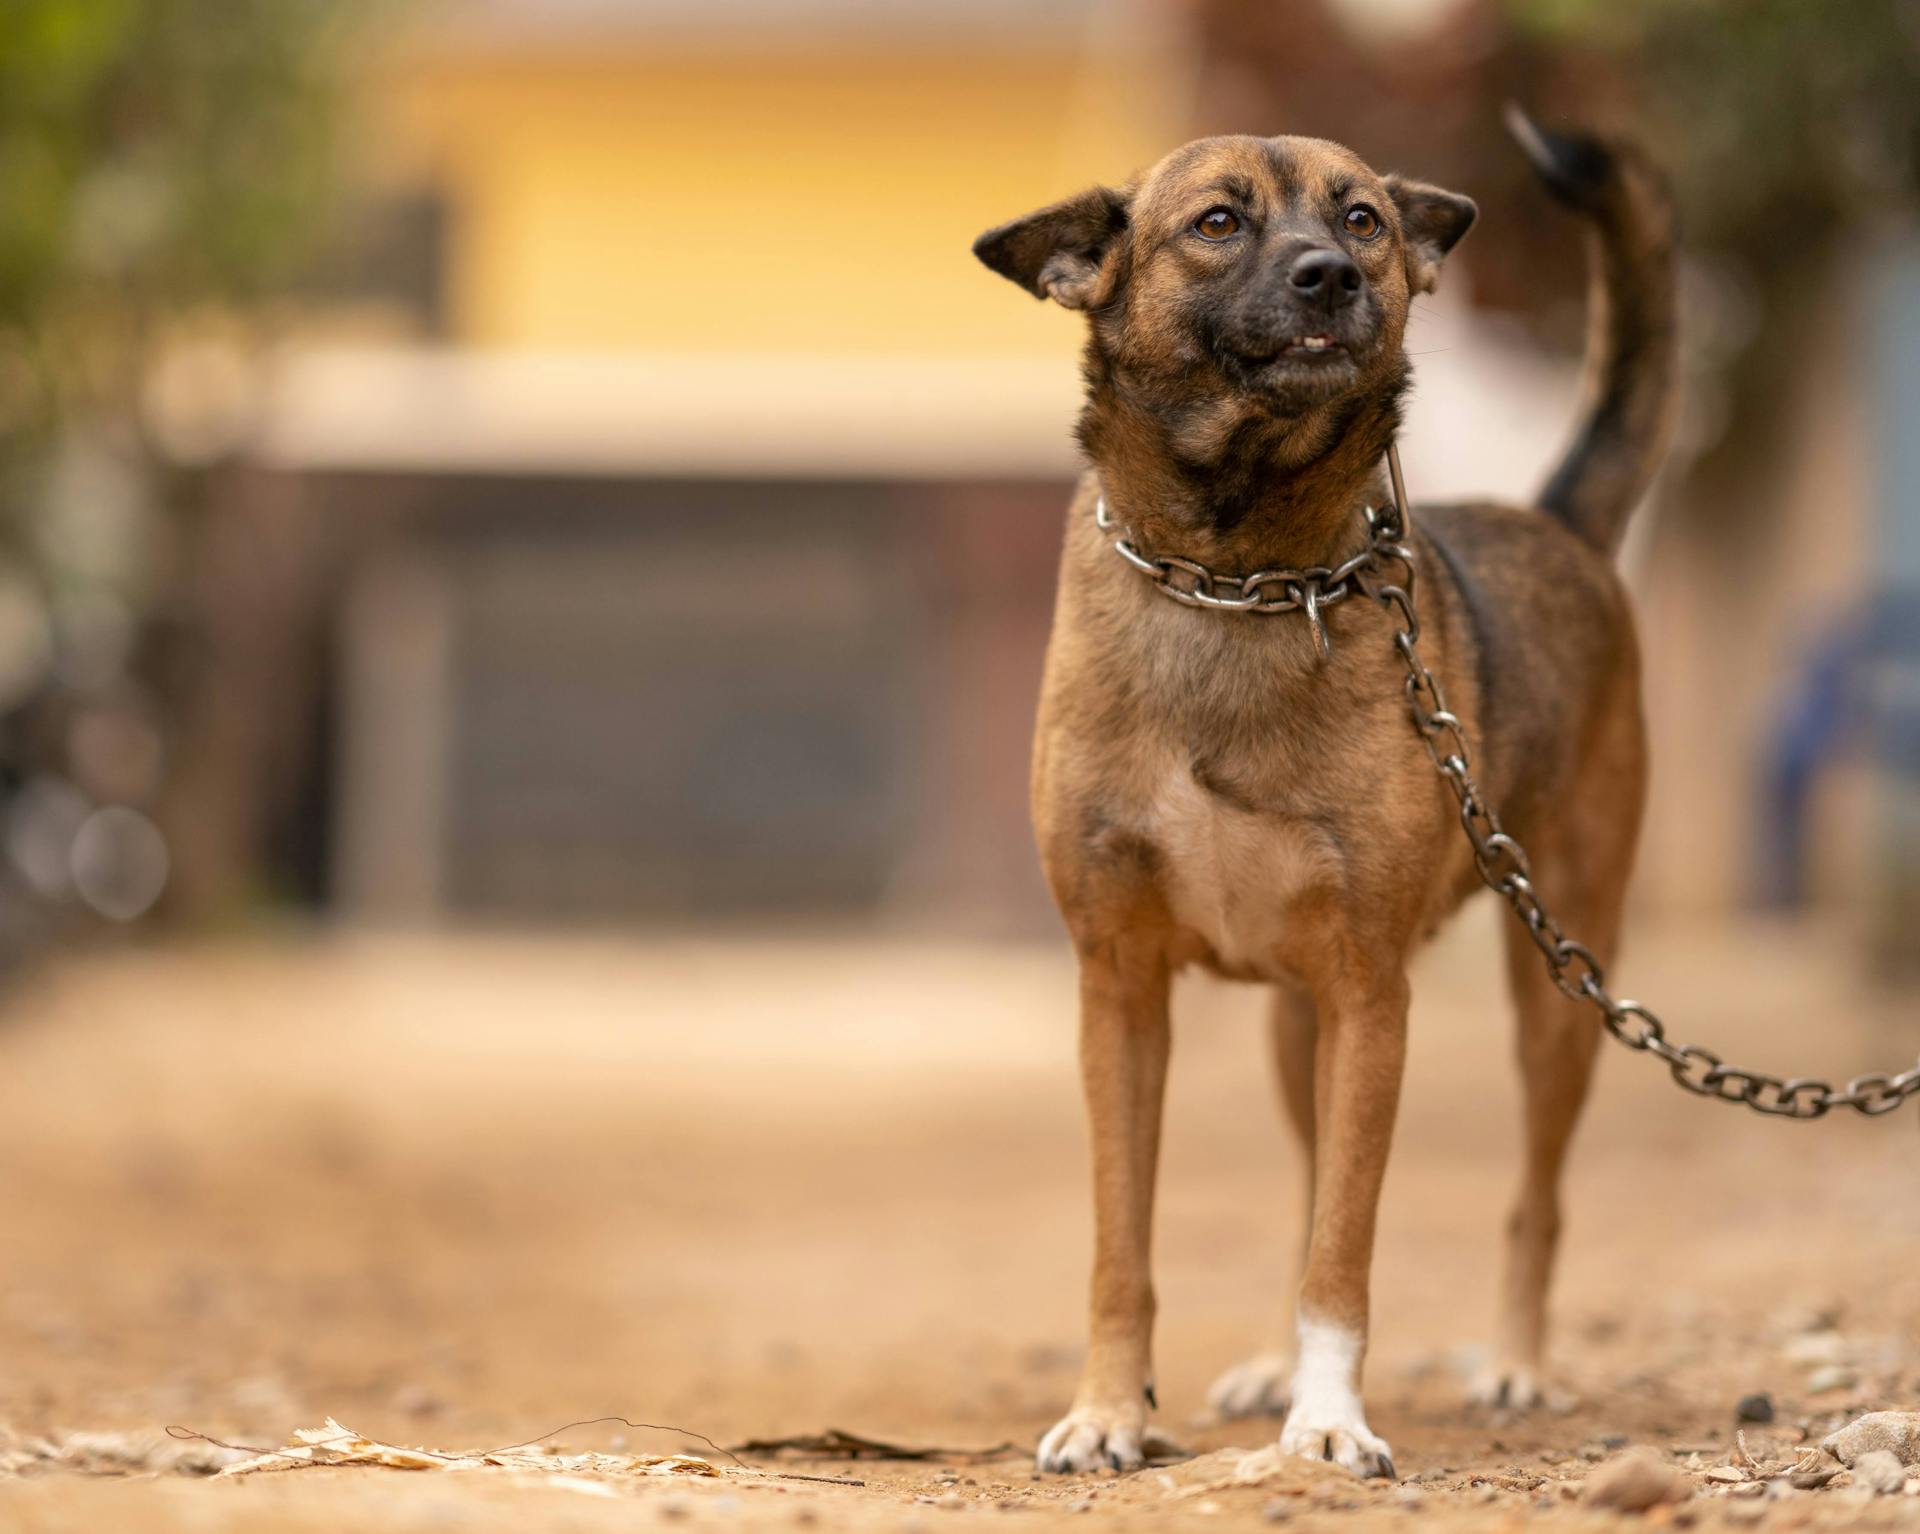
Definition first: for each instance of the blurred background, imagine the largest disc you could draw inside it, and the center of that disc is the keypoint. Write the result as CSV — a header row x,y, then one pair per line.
x,y
555,461
526,544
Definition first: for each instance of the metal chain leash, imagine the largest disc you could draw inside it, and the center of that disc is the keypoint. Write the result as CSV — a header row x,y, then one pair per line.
x,y
1504,868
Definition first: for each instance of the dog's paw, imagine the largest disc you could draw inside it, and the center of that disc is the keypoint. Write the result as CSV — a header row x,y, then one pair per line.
x,y
1516,1388
1260,1386
1346,1441
1089,1438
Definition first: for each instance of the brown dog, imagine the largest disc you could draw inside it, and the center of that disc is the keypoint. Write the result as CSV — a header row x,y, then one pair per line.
x,y
1208,790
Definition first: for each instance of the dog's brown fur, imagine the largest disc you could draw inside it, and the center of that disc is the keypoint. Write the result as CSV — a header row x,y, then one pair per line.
x,y
1206,791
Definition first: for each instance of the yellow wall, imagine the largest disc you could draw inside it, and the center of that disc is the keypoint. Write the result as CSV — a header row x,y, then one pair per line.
x,y
819,204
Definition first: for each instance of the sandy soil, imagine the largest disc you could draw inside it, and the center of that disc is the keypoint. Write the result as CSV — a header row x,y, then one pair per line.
x,y
457,1191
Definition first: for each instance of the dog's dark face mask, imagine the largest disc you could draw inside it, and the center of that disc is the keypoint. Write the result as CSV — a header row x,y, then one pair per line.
x,y
1241,276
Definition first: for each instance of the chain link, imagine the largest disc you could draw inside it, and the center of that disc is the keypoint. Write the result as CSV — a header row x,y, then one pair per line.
x,y
1503,867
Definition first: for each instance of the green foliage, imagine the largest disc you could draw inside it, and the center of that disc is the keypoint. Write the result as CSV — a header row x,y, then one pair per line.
x,y
156,155
1784,120
162,163
185,140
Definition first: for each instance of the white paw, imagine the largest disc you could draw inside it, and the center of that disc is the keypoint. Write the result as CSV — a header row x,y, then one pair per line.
x,y
1086,1439
1340,1437
1259,1386
1516,1388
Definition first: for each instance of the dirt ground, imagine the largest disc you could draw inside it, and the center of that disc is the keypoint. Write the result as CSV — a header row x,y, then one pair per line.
x,y
456,1191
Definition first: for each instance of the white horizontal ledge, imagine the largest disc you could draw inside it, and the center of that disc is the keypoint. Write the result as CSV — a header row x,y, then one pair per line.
x,y
449,410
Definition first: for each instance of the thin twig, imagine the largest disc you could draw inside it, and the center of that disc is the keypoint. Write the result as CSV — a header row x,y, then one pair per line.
x,y
174,1430
656,1427
837,1443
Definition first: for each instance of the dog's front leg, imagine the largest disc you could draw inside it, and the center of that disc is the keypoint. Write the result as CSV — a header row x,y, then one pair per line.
x,y
1357,1067
1124,1038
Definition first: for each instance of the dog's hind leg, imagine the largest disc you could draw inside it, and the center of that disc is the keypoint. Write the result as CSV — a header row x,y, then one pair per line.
x,y
1124,1042
1259,1386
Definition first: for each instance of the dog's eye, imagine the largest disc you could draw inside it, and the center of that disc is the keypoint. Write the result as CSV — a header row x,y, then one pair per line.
x,y
1216,224
1362,222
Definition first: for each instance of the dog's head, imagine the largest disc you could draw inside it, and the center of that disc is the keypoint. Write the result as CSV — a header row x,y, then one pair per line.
x,y
1269,276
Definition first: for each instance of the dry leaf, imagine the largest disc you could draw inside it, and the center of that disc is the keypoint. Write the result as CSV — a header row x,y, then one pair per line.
x,y
335,1444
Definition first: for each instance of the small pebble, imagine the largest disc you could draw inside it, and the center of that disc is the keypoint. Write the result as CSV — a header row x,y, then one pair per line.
x,y
1795,1320
417,1401
1277,1512
1754,1408
1821,1347
1636,1481
1897,1432
1831,1377
1612,1440
1880,1473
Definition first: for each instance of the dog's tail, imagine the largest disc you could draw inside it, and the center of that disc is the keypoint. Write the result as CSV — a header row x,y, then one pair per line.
x,y
1631,342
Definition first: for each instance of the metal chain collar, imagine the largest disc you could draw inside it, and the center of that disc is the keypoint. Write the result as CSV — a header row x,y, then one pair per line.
x,y
1501,861
1265,591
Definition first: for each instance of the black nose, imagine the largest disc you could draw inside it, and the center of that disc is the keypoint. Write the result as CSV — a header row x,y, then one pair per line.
x,y
1327,275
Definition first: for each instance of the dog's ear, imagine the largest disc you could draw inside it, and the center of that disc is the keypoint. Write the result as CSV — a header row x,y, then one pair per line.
x,y
1434,221
1068,252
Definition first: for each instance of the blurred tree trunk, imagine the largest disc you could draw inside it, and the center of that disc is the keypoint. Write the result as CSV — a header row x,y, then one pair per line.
x,y
248,647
